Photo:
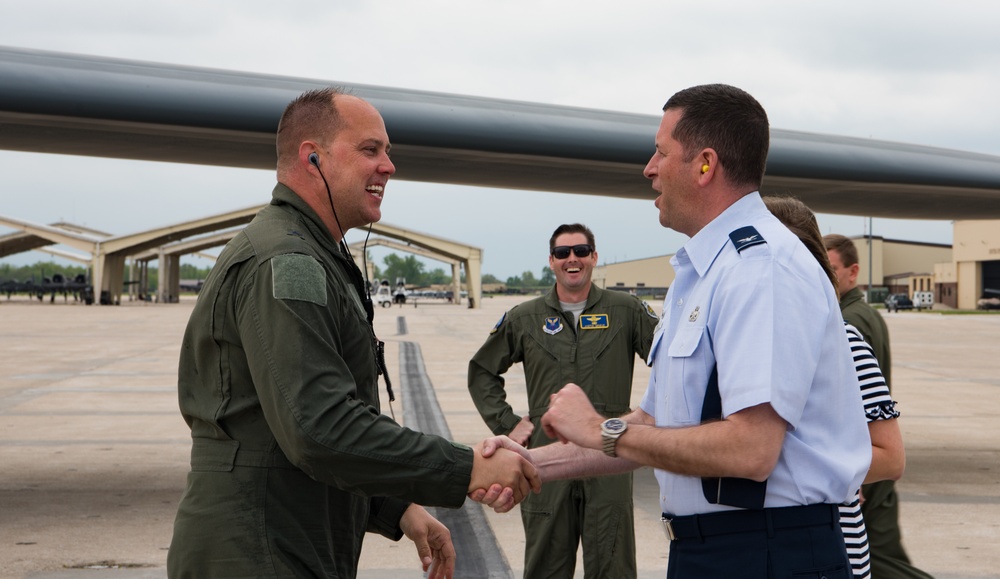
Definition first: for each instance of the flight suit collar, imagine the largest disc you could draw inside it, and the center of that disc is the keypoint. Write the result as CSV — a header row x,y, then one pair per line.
x,y
283,195
852,295
552,298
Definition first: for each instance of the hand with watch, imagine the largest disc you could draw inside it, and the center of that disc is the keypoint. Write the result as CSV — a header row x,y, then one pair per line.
x,y
611,431
571,418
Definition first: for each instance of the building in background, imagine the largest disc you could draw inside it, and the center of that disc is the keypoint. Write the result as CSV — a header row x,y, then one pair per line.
x,y
958,275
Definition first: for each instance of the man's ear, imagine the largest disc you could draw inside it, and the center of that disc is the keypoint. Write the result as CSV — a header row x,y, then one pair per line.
x,y
854,269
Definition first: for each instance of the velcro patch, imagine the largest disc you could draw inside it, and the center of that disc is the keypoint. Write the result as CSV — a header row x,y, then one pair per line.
x,y
298,277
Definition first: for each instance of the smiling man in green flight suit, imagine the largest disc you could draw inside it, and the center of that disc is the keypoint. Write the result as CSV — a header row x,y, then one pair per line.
x,y
292,460
576,333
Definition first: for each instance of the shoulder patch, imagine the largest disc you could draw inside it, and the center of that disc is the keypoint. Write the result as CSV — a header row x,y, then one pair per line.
x,y
296,276
496,328
745,237
649,310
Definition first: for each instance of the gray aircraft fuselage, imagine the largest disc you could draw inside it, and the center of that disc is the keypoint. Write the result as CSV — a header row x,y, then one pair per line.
x,y
82,105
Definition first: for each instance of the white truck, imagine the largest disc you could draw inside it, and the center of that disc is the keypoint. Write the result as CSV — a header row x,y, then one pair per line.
x,y
923,300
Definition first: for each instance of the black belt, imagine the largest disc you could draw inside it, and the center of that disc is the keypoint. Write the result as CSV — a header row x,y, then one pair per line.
x,y
744,521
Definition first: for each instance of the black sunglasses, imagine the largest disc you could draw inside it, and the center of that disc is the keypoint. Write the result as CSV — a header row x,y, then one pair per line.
x,y
562,251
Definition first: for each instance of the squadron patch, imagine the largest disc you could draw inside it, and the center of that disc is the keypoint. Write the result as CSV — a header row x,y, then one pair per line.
x,y
553,325
694,314
496,328
594,322
649,310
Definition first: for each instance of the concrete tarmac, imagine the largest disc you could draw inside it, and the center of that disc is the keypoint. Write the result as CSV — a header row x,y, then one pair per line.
x,y
94,453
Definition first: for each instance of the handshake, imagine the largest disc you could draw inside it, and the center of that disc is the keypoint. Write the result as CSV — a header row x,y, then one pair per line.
x,y
504,472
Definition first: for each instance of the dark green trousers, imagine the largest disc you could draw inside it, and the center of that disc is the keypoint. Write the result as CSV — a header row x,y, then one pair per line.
x,y
881,512
596,511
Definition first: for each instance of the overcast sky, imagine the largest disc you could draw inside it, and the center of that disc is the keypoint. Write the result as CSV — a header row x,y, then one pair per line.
x,y
923,72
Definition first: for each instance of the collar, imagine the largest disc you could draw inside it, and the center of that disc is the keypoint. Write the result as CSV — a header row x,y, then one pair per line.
x,y
702,249
552,298
284,195
852,295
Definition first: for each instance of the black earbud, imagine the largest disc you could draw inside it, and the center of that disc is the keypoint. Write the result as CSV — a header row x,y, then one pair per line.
x,y
314,159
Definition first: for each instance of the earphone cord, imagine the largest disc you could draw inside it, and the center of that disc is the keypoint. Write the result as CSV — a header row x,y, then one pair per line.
x,y
370,310
329,195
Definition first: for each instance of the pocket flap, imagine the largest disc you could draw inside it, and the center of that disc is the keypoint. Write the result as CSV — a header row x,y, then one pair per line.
x,y
685,341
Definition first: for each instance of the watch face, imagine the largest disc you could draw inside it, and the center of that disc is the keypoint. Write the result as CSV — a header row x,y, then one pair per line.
x,y
614,425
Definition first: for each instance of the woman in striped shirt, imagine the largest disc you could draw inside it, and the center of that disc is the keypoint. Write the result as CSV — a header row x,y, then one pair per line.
x,y
888,457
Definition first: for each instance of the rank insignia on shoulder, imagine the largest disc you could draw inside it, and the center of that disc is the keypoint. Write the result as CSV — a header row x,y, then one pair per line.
x,y
745,237
553,325
594,322
496,328
650,311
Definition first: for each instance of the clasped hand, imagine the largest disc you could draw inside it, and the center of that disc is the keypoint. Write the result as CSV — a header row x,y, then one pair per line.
x,y
572,418
502,474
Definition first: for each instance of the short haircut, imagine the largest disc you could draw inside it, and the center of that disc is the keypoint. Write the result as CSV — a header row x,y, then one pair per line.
x,y
311,116
728,120
844,247
801,221
572,228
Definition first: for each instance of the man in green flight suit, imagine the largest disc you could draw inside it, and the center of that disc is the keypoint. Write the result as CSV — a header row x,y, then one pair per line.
x,y
880,507
292,460
576,333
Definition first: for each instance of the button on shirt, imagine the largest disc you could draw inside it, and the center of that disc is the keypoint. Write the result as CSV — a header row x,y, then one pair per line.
x,y
769,319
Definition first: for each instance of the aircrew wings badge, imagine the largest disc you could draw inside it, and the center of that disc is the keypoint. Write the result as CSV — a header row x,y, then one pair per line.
x,y
594,322
553,325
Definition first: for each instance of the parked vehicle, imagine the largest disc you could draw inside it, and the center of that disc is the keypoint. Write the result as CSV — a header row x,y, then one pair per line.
x,y
896,302
988,303
923,300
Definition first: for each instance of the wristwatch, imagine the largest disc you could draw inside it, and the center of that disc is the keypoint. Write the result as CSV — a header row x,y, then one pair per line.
x,y
611,430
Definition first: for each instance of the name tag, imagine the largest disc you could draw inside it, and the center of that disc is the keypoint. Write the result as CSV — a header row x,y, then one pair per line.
x,y
594,322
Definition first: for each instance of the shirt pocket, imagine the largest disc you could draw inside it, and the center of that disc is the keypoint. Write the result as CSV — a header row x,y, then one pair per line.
x,y
686,378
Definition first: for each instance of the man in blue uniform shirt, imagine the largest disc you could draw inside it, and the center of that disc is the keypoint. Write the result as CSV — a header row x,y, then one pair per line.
x,y
752,417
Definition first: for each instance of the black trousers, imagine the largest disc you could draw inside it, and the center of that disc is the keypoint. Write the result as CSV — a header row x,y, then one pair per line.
x,y
807,549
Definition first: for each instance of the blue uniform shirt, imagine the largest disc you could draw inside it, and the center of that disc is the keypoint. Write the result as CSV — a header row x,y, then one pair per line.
x,y
768,318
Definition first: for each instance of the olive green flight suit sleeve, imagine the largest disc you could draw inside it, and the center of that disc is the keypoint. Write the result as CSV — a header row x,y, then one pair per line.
x,y
501,350
384,514
643,329
296,341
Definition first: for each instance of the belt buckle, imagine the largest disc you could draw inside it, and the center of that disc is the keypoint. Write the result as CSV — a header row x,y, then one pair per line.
x,y
668,528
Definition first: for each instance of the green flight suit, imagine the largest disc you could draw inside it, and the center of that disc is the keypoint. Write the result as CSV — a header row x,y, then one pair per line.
x,y
880,508
600,360
292,461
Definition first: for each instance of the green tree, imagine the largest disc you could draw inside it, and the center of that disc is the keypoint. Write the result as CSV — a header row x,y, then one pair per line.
x,y
548,278
189,271
408,267
514,281
528,279
436,276
489,278
39,271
